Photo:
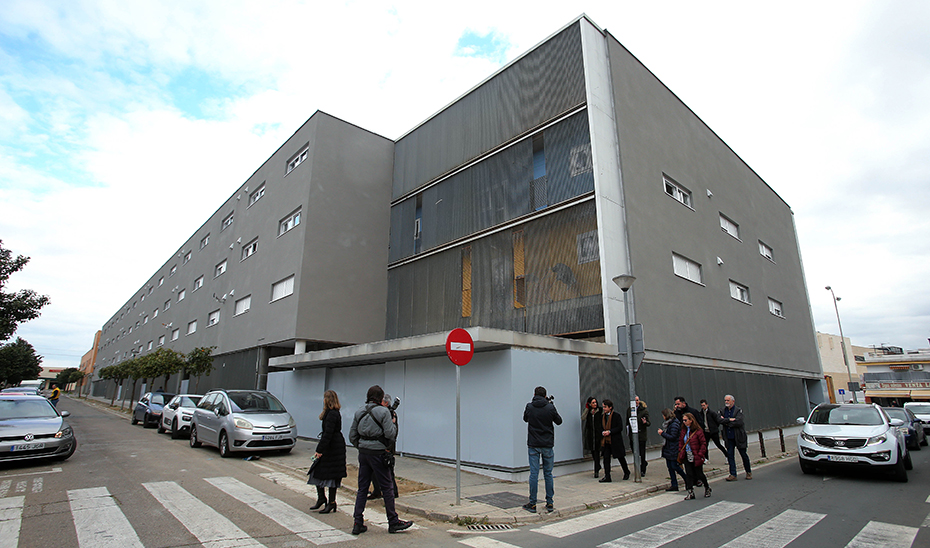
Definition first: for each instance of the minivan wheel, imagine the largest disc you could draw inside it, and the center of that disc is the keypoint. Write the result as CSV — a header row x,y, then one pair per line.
x,y
194,441
161,426
224,445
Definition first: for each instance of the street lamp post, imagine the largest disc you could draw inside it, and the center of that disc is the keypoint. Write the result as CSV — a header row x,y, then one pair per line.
x,y
842,339
624,282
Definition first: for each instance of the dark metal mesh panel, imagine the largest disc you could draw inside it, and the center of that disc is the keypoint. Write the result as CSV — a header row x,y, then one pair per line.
x,y
768,401
497,189
560,287
546,82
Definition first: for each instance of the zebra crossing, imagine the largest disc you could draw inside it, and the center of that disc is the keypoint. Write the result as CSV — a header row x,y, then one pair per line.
x,y
776,532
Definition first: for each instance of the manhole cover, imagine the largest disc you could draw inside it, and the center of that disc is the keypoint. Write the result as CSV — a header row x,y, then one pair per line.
x,y
488,527
503,500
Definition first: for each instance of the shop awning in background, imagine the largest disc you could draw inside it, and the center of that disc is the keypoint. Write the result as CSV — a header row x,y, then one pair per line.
x,y
920,394
889,393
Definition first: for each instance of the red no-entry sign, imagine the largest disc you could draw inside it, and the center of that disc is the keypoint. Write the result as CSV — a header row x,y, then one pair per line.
x,y
459,346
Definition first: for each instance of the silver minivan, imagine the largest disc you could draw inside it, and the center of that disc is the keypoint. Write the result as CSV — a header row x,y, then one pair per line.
x,y
243,420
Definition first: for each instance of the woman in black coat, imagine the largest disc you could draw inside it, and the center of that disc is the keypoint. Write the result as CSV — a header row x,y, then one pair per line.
x,y
330,456
591,432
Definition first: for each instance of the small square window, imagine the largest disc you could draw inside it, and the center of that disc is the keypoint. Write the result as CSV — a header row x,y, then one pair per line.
x,y
776,309
227,222
167,304
198,283
192,327
161,281
257,195
729,226
173,270
161,340
243,305
181,294
686,268
205,241
283,288
289,222
297,159
175,334
220,269
213,318
766,251
739,292
155,313
249,249
151,343
187,257
145,319
676,191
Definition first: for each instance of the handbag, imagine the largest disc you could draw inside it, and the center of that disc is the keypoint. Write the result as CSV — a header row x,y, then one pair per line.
x,y
313,464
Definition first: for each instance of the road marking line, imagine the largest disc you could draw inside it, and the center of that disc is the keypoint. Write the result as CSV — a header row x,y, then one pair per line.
x,y
674,529
54,470
282,513
37,485
777,532
485,542
11,518
21,486
606,517
345,505
98,521
4,487
211,528
886,535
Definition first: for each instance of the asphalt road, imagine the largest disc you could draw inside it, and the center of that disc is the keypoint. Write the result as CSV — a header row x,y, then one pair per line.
x,y
128,486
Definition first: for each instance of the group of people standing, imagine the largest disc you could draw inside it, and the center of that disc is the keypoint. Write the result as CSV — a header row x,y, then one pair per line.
x,y
687,432
374,434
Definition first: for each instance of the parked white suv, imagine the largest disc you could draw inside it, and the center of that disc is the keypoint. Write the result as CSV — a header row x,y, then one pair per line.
x,y
851,435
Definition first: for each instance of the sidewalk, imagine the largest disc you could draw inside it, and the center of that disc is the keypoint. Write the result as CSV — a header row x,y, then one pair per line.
x,y
427,489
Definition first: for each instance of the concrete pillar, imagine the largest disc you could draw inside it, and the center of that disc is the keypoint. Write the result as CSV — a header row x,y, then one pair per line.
x,y
300,347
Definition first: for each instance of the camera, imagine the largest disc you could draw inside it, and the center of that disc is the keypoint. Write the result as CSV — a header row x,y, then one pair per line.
x,y
551,398
395,405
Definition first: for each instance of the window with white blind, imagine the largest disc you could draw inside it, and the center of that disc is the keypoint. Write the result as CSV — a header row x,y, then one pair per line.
x,y
776,309
728,226
167,304
686,268
192,327
151,343
243,305
172,271
161,340
175,334
213,318
181,294
283,288
676,191
739,292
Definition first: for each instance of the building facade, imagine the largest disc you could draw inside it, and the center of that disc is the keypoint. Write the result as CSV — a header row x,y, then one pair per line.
x,y
894,376
507,213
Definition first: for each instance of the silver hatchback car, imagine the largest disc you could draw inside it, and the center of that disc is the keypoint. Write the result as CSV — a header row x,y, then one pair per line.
x,y
31,428
243,420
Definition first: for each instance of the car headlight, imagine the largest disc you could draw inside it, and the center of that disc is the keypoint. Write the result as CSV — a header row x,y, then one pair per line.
x,y
875,440
292,423
64,432
242,423
807,437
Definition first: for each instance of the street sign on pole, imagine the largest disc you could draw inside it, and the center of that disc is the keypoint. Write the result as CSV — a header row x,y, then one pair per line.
x,y
639,348
460,348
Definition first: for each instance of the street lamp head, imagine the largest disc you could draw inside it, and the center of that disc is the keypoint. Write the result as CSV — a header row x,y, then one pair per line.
x,y
828,288
624,282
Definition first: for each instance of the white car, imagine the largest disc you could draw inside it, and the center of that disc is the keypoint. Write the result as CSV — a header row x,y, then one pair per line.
x,y
852,436
176,416
922,410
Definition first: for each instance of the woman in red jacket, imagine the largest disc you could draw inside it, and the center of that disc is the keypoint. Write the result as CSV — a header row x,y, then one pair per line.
x,y
692,451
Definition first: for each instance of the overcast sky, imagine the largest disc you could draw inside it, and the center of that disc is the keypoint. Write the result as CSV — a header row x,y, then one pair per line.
x,y
124,125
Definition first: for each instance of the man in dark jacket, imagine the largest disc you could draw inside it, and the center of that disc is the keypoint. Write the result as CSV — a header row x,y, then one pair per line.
x,y
612,441
372,433
734,430
539,416
387,401
682,407
711,421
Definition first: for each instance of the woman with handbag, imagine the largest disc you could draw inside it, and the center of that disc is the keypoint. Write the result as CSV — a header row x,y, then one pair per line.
x,y
692,451
591,432
329,467
670,431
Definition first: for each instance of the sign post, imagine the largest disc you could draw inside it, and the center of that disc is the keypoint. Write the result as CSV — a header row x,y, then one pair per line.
x,y
460,348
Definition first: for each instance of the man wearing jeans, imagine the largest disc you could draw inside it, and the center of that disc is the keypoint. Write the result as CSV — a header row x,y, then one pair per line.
x,y
539,416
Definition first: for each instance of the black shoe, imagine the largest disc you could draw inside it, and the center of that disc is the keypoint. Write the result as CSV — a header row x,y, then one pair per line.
x,y
530,508
372,496
330,508
690,494
707,491
359,528
399,526
550,508
672,489
644,469
626,475
597,474
605,479
319,504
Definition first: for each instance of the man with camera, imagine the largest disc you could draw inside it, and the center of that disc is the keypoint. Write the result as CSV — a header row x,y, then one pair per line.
x,y
391,404
539,416
373,432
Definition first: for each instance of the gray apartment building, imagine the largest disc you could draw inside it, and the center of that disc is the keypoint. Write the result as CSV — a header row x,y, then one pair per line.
x,y
507,213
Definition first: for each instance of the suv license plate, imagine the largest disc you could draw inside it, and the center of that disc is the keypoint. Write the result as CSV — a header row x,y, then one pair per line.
x,y
28,447
273,437
842,458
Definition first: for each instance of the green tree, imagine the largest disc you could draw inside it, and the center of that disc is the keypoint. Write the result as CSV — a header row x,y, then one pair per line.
x,y
117,373
164,362
68,376
19,306
199,363
19,362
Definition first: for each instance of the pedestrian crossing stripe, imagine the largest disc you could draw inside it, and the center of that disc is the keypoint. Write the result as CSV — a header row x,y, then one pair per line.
x,y
777,532
886,535
674,529
98,520
606,517
485,542
11,517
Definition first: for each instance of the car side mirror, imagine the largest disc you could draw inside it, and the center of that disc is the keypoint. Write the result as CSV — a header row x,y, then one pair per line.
x,y
801,420
897,422
173,406
66,413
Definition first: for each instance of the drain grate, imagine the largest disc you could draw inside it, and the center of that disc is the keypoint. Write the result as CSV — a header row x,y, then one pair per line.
x,y
490,527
